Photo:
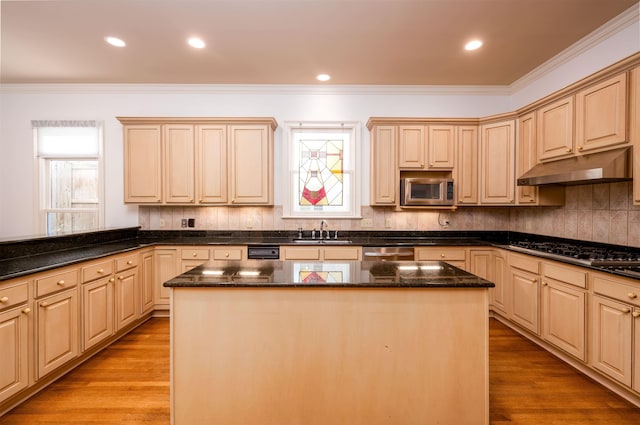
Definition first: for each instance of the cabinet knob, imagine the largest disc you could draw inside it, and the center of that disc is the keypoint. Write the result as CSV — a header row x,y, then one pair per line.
x,y
100,271
44,304
568,150
195,254
129,262
120,277
442,255
580,148
636,314
632,295
26,310
545,283
226,254
4,299
112,280
532,200
60,282
534,280
626,310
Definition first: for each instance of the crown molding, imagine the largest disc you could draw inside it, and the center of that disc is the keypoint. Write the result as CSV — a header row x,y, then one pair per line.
x,y
626,19
257,89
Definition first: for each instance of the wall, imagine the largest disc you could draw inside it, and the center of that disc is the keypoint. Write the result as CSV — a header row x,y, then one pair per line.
x,y
19,104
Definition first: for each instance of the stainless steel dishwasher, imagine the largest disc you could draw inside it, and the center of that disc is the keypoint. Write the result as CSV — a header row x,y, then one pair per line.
x,y
387,253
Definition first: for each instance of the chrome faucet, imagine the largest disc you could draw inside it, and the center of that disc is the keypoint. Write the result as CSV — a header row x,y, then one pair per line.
x,y
323,225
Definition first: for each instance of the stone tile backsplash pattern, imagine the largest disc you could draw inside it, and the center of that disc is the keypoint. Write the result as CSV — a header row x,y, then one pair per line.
x,y
598,213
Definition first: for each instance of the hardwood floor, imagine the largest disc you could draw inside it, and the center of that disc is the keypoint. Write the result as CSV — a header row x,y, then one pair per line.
x,y
128,383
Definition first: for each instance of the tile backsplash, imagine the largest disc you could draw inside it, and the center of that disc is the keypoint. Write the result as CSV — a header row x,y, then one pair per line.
x,y
599,213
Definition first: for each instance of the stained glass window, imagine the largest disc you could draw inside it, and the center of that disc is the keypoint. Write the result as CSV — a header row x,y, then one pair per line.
x,y
322,160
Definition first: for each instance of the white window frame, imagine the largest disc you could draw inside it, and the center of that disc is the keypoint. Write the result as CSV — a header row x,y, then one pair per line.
x,y
351,167
43,179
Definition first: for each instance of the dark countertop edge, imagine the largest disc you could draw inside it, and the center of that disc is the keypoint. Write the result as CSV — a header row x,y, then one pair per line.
x,y
401,285
497,239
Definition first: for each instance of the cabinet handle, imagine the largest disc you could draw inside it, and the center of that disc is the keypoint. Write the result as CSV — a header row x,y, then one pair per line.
x,y
4,299
129,262
112,280
580,148
626,310
632,295
26,310
569,150
534,280
61,282
226,254
100,271
120,277
636,314
544,283
195,254
44,304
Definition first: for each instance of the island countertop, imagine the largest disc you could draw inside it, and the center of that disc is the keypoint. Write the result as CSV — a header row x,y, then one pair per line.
x,y
297,273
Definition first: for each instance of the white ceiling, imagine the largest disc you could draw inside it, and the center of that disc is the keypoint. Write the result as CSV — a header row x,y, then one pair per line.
x,y
388,42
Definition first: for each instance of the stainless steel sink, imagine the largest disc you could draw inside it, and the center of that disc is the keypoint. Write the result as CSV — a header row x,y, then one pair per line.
x,y
322,241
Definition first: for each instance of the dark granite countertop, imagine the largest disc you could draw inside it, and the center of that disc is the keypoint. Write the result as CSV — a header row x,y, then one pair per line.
x,y
31,255
334,274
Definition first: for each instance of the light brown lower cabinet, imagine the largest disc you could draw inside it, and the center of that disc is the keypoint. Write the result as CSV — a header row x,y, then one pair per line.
x,y
314,253
453,255
165,263
126,297
14,350
616,329
525,291
57,330
146,282
97,311
564,303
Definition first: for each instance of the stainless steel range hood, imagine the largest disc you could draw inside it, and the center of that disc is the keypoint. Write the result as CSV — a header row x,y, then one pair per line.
x,y
602,167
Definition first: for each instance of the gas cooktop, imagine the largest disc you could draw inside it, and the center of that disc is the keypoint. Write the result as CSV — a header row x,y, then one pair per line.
x,y
589,255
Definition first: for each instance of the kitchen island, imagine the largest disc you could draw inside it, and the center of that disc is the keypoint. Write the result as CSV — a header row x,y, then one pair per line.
x,y
317,343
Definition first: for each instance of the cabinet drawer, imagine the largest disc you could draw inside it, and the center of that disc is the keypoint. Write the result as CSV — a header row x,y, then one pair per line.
x,y
126,262
227,253
617,290
300,253
565,274
13,295
195,253
441,254
342,253
56,282
97,270
524,262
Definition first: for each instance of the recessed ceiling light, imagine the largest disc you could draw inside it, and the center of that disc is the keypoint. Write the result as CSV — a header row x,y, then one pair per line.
x,y
473,45
323,77
115,41
196,43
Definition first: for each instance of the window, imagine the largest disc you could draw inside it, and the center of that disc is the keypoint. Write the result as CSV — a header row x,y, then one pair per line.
x,y
69,155
322,164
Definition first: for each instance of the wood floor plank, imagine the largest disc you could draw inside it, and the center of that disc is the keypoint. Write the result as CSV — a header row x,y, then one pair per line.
x,y
128,383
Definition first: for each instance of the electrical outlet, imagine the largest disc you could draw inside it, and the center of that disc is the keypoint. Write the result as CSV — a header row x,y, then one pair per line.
x,y
366,223
191,222
184,222
162,222
388,222
250,223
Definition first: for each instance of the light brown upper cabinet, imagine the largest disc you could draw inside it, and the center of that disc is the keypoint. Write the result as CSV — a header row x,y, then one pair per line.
x,y
601,112
426,147
384,178
526,157
467,170
497,163
634,129
555,129
198,161
143,163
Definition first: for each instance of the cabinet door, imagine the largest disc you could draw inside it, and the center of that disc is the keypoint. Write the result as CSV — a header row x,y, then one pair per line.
x,y
179,164
636,350
57,331
384,181
612,324
497,156
165,267
251,164
555,129
634,129
300,253
126,296
146,282
564,318
211,167
142,164
14,334
526,299
467,165
344,253
97,311
501,292
526,157
412,140
481,264
441,147
601,114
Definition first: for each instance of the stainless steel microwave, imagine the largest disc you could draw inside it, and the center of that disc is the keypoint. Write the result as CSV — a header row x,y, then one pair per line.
x,y
426,191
